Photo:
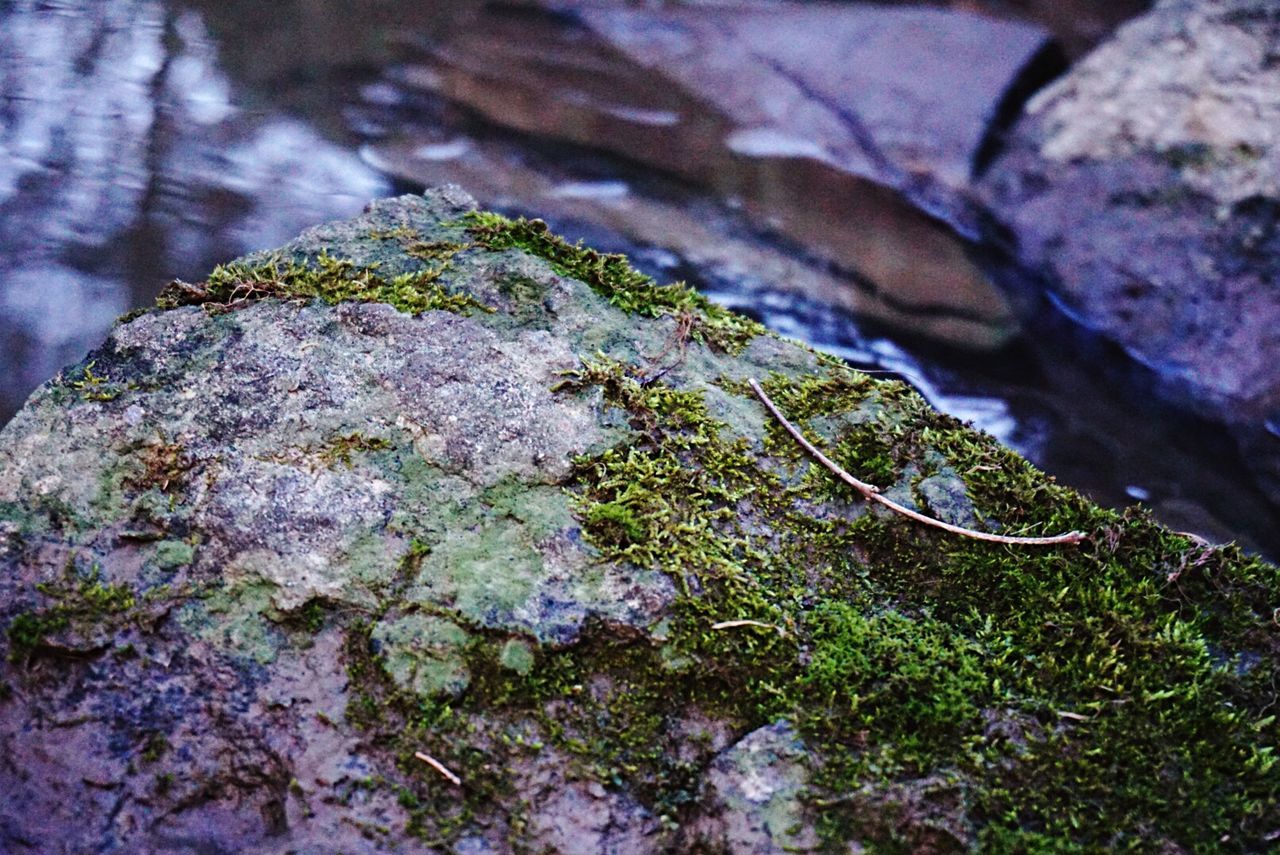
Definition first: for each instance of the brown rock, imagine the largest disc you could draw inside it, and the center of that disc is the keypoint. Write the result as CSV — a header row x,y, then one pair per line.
x,y
841,127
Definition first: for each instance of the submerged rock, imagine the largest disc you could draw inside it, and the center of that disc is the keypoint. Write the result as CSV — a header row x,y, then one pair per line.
x,y
433,531
803,114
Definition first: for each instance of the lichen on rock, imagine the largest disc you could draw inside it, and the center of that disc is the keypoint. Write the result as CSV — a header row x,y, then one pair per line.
x,y
535,527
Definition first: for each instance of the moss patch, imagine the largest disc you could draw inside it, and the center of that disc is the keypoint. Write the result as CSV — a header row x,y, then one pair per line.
x,y
1123,702
612,277
79,611
332,280
1076,696
91,386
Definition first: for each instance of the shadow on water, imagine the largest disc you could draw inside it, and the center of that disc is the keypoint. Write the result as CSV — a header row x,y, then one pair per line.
x,y
145,140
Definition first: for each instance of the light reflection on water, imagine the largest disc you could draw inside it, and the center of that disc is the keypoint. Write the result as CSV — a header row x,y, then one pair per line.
x,y
125,161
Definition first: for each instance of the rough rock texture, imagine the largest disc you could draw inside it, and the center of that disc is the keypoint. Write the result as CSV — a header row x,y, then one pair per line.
x,y
432,493
1147,183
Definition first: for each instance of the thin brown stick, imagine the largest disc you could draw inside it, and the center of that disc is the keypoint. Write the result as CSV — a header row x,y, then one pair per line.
x,y
439,767
872,492
730,624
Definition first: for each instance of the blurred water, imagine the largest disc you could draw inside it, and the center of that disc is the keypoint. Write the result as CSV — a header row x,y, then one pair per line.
x,y
130,155
126,160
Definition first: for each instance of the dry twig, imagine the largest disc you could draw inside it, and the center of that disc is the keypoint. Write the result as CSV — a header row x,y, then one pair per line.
x,y
872,493
439,767
729,624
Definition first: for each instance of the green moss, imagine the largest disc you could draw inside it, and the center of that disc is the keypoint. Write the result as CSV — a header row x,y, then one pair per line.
x,y
28,630
325,278
77,604
613,278
94,387
1081,699
908,678
614,523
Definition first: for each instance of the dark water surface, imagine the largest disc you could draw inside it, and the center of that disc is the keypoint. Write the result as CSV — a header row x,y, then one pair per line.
x,y
143,140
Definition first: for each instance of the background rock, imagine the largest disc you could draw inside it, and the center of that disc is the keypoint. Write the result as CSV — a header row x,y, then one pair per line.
x,y
806,114
1145,187
1147,183
1078,25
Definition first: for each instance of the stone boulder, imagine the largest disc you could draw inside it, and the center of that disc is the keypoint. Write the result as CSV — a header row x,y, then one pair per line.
x,y
1146,182
430,531
1077,25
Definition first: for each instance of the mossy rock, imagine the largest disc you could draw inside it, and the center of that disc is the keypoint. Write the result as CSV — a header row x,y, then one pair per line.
x,y
433,531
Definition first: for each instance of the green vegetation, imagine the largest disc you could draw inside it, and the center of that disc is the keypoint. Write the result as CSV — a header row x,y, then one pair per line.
x,y
95,387
332,280
1120,697
613,278
1114,695
78,603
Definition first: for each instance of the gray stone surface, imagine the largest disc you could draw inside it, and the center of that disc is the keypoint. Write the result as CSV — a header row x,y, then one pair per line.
x,y
1146,182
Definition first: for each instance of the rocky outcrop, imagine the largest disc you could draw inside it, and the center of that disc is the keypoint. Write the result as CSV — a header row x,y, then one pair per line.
x,y
433,531
1147,182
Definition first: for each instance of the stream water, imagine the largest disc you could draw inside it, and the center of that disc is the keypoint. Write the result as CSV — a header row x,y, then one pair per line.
x,y
144,140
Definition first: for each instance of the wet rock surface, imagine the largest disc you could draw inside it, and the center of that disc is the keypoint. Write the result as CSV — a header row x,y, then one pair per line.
x,y
285,568
1146,183
802,113
1078,25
